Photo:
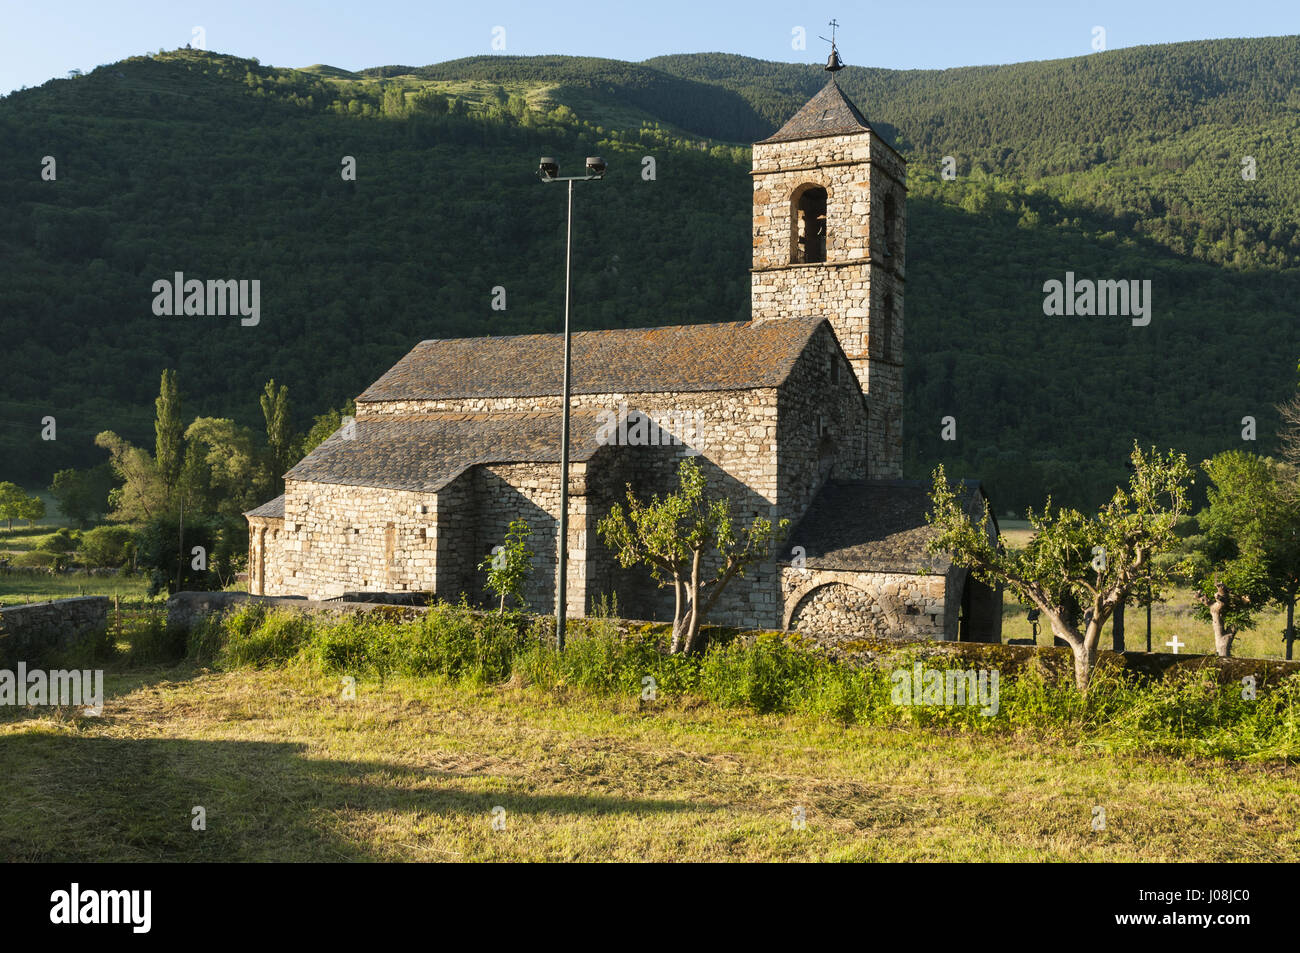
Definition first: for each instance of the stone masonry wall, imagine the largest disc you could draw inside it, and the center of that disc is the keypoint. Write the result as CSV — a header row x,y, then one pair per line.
x,y
527,491
823,426
337,538
29,631
266,555
736,440
839,607
859,173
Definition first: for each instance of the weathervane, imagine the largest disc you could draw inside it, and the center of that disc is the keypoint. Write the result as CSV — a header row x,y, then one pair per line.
x,y
833,63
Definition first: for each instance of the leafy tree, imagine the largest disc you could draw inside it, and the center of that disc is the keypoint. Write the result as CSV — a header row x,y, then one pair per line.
x,y
143,494
168,430
508,567
165,551
82,495
1074,560
236,479
12,499
394,101
1249,552
430,102
324,425
677,535
109,546
31,509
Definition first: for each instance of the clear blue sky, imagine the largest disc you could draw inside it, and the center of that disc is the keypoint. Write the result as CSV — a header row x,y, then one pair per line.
x,y
40,40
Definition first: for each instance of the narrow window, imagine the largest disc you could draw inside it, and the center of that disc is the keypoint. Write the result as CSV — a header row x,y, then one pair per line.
x,y
887,328
887,237
810,225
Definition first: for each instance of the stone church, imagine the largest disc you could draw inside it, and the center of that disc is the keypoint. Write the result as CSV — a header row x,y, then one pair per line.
x,y
795,414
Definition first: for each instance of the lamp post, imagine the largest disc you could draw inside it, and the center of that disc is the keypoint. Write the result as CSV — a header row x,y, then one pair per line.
x,y
548,170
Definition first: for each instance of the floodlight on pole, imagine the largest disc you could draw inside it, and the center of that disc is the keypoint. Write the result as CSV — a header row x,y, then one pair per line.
x,y
548,170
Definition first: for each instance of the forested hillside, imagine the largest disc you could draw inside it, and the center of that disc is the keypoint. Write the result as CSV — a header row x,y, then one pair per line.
x,y
1120,165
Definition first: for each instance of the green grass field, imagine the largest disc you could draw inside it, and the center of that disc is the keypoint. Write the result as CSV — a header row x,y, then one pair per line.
x,y
20,586
288,770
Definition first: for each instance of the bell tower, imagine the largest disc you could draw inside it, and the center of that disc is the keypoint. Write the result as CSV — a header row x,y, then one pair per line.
x,y
830,229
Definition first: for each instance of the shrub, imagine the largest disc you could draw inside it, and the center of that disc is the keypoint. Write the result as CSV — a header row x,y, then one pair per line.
x,y
89,651
761,675
106,546
151,641
38,559
64,541
275,640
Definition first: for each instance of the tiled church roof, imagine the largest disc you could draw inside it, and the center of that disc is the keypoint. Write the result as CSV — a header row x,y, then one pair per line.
x,y
425,453
698,357
829,113
873,526
272,509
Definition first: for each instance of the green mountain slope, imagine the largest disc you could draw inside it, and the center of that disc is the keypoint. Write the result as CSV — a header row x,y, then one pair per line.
x,y
1121,165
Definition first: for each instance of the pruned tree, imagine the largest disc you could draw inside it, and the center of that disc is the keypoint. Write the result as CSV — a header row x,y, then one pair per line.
x,y
1074,560
1248,553
1230,610
677,536
508,565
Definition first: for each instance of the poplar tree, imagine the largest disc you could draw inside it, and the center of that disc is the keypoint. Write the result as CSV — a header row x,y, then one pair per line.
x,y
279,431
168,431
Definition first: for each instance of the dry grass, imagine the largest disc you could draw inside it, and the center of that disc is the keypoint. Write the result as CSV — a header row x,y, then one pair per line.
x,y
287,770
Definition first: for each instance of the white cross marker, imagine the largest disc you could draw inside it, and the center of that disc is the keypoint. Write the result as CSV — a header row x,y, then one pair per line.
x,y
1175,644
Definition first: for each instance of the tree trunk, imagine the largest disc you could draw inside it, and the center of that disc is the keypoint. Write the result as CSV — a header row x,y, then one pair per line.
x,y
693,614
1290,623
1223,636
678,621
1083,647
1117,628
1085,656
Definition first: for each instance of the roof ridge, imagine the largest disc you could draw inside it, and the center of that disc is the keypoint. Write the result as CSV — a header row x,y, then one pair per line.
x,y
595,331
686,358
829,113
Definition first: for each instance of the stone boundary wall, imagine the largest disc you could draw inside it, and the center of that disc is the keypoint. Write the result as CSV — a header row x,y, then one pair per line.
x,y
186,608
31,630
1055,662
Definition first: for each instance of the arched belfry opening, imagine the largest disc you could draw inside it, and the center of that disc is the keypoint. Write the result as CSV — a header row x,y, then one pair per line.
x,y
809,220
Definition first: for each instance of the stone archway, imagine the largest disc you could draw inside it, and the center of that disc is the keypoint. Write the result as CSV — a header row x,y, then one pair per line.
x,y
839,610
